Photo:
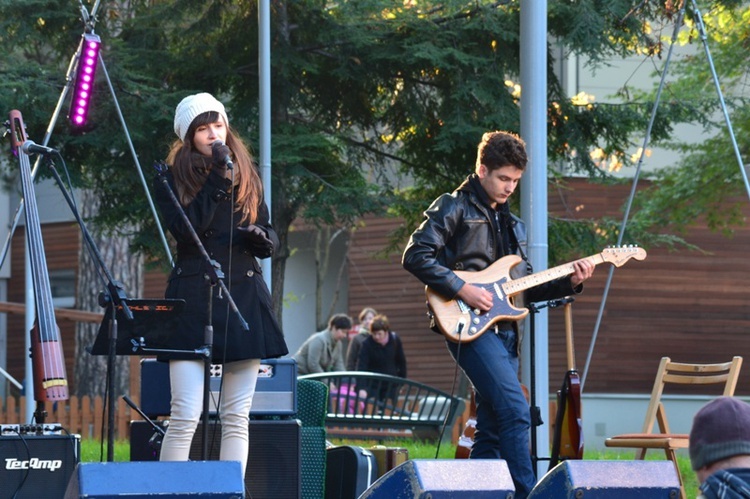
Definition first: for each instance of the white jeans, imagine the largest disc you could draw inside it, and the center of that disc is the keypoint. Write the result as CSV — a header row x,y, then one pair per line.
x,y
238,388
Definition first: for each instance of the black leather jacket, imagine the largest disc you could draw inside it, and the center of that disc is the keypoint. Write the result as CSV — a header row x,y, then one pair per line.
x,y
458,234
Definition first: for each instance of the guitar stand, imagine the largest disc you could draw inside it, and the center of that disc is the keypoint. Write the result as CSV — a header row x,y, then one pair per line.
x,y
536,413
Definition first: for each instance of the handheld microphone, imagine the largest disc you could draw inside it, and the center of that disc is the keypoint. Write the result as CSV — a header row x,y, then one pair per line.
x,y
227,159
30,147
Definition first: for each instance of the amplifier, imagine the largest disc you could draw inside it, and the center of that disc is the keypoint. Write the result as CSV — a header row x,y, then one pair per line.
x,y
275,392
34,466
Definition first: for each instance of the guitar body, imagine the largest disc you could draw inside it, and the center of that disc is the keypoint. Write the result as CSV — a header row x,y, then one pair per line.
x,y
460,323
50,383
571,425
466,440
567,441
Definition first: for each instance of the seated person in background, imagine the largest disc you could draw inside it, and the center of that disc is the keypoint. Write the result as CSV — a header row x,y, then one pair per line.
x,y
321,352
355,341
720,448
382,352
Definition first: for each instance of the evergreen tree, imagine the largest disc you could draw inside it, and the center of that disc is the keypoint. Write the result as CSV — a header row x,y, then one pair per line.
x,y
369,96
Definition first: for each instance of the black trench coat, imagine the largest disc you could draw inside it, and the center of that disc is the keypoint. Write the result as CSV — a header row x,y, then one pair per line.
x,y
212,216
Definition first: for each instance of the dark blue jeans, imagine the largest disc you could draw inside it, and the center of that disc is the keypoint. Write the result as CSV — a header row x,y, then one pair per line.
x,y
503,418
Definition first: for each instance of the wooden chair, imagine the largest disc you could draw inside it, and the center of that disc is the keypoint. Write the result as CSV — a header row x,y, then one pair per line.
x,y
675,373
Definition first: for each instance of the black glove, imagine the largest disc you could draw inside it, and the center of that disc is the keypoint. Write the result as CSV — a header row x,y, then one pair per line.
x,y
257,240
220,154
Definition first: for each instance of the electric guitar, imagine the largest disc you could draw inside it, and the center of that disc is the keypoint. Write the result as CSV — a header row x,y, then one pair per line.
x,y
567,441
460,323
466,440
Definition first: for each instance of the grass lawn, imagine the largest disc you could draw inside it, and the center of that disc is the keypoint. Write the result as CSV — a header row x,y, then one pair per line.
x,y
94,451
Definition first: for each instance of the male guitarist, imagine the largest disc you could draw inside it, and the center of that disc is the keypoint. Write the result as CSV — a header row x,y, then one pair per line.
x,y
468,230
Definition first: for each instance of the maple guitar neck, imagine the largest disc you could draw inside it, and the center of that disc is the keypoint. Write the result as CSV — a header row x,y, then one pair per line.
x,y
517,286
569,348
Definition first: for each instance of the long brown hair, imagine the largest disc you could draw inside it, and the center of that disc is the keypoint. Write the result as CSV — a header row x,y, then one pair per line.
x,y
189,179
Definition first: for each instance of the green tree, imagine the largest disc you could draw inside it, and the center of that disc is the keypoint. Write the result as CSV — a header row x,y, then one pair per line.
x,y
708,183
365,93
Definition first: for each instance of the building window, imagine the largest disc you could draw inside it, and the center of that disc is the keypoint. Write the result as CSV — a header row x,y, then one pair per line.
x,y
63,285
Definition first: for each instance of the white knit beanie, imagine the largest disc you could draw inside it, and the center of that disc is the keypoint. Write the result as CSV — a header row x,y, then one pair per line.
x,y
193,105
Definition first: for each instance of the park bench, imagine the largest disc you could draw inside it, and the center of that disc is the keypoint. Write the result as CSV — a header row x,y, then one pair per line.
x,y
357,406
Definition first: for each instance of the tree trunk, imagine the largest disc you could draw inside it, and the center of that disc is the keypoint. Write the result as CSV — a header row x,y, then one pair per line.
x,y
123,266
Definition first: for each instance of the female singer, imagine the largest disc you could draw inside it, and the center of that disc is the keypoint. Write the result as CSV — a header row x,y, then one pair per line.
x,y
212,174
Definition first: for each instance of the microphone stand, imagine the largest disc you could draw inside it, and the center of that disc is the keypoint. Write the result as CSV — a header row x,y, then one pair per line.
x,y
114,297
215,277
156,440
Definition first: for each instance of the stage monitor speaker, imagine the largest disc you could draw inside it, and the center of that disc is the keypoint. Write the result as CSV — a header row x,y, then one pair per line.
x,y
609,479
200,479
274,458
444,478
34,466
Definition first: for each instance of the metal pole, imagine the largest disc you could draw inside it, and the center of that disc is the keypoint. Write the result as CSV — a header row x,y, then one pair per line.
x,y
534,186
631,197
264,75
704,39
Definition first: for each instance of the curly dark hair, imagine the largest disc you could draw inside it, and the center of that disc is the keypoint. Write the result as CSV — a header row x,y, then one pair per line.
x,y
498,149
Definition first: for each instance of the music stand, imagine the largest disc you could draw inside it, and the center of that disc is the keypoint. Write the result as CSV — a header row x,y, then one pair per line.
x,y
148,332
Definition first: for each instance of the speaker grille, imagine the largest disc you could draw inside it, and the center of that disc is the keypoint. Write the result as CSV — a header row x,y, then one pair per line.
x,y
273,464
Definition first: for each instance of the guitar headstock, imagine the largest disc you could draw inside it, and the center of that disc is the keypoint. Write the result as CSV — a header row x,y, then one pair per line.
x,y
618,255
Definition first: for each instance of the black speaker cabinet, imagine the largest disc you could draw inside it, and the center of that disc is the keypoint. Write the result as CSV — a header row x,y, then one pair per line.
x,y
437,478
610,480
34,466
137,480
273,464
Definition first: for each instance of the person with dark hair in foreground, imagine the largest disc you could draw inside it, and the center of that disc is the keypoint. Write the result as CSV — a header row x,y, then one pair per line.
x,y
720,448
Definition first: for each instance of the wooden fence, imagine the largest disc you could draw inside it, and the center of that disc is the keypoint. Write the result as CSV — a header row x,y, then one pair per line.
x,y
82,416
87,418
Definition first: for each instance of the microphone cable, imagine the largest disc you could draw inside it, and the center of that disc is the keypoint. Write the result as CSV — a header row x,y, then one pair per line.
x,y
228,276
